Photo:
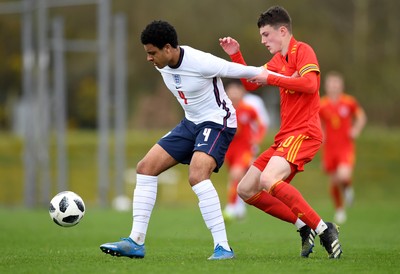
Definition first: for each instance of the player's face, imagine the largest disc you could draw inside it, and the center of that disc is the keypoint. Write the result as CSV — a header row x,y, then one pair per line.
x,y
159,57
334,86
272,38
235,93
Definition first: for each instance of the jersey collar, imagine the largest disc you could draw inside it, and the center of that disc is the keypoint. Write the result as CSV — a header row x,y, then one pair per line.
x,y
291,49
181,54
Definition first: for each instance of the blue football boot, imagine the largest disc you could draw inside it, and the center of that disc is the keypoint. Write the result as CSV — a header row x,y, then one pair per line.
x,y
126,247
221,253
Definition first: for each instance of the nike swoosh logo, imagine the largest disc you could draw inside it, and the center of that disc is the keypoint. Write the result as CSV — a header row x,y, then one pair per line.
x,y
200,145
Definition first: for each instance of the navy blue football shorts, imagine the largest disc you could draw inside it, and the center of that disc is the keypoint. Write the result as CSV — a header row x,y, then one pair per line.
x,y
187,137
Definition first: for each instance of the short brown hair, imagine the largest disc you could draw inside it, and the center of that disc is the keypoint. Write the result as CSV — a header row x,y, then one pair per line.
x,y
275,16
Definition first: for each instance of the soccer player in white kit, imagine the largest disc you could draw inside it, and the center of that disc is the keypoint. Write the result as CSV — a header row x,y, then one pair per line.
x,y
200,140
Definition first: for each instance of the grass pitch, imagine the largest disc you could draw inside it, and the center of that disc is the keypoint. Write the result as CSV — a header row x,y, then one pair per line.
x,y
178,240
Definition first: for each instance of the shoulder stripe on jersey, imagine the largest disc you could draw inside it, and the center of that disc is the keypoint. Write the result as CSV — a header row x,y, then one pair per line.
x,y
307,68
348,98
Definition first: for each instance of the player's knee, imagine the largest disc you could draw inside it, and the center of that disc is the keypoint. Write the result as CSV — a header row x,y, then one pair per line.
x,y
197,177
241,191
246,191
344,174
266,182
193,181
143,168
200,171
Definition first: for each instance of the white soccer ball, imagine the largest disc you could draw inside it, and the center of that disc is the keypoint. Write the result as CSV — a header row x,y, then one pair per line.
x,y
67,208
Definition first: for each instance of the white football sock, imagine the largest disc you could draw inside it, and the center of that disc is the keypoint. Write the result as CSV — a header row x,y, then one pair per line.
x,y
144,198
299,223
321,227
210,209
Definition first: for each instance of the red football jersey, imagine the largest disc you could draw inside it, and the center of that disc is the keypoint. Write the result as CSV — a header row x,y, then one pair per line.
x,y
249,127
300,108
337,118
250,131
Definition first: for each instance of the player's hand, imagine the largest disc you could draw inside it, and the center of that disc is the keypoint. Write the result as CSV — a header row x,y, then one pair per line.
x,y
229,45
354,133
260,79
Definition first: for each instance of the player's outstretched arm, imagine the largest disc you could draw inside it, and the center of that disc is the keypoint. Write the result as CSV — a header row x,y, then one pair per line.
x,y
307,83
261,79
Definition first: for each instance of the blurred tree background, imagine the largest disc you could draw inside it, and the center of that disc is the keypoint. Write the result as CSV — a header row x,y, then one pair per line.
x,y
359,38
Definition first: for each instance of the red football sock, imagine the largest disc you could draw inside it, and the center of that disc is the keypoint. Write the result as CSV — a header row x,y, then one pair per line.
x,y
271,205
336,194
232,192
291,197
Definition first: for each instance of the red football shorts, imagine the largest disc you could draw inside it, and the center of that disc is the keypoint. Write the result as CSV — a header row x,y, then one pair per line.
x,y
239,156
296,149
333,158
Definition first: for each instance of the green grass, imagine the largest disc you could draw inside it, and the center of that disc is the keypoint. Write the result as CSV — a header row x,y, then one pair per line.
x,y
178,240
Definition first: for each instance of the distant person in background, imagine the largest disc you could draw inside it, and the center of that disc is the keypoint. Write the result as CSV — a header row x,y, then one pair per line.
x,y
342,121
251,130
258,104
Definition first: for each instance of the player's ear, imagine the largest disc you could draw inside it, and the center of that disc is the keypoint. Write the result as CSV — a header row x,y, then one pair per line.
x,y
167,48
283,30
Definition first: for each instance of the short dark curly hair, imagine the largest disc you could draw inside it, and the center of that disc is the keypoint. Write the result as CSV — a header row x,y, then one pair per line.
x,y
275,16
159,33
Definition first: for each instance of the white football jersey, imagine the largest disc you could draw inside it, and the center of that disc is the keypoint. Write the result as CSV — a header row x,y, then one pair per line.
x,y
196,83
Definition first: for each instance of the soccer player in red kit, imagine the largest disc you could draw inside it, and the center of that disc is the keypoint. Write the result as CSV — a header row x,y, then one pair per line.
x,y
342,119
241,152
266,184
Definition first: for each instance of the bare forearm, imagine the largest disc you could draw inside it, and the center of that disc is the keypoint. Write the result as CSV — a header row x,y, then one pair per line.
x,y
359,123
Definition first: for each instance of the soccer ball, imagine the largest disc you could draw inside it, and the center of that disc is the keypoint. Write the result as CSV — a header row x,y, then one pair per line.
x,y
67,208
